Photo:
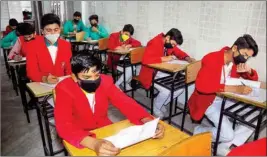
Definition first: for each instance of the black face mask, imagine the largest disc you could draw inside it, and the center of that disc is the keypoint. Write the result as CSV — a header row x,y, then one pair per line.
x,y
75,20
94,25
89,85
239,59
168,45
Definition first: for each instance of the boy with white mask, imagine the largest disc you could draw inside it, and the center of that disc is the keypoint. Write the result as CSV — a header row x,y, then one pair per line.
x,y
49,57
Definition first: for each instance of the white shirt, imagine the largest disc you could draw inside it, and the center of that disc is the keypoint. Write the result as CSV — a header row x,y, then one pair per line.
x,y
91,99
226,71
53,52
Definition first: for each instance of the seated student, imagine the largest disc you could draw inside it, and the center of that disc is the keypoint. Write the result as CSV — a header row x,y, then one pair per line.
x,y
82,105
122,40
216,68
96,31
49,57
27,34
71,27
154,53
10,39
13,23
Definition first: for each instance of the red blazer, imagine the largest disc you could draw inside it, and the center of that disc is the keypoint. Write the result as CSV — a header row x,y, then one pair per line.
x,y
73,115
113,42
255,148
208,82
25,45
153,53
8,30
39,62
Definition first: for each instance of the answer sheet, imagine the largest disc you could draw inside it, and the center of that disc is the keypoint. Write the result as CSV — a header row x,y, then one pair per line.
x,y
134,134
54,85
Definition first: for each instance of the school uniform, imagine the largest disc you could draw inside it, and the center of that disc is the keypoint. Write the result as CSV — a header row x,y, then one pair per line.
x,y
211,78
70,26
8,30
113,42
102,33
77,113
44,59
153,53
9,40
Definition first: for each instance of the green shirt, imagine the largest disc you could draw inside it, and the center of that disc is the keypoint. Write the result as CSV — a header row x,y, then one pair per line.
x,y
102,33
9,40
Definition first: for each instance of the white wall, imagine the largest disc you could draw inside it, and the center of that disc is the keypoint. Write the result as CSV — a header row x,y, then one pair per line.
x,y
206,26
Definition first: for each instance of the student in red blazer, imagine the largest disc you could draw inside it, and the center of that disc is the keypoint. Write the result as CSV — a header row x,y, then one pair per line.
x,y
255,148
122,40
154,53
49,57
82,105
216,68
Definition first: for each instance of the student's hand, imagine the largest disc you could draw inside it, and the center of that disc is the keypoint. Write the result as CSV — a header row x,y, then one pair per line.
x,y
94,29
243,67
51,79
17,58
159,132
190,60
89,39
105,148
243,90
166,58
128,46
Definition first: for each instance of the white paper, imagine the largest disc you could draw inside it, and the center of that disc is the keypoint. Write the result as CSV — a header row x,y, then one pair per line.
x,y
13,61
176,61
258,94
54,85
134,134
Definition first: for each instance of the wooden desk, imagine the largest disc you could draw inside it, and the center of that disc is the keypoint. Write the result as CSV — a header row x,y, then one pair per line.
x,y
120,52
39,90
151,147
172,68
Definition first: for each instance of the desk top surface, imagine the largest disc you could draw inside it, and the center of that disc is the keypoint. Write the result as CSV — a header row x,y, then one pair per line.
x,y
150,147
39,90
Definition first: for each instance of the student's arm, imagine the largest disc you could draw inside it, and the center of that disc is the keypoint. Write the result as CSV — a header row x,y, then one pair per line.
x,y
9,40
83,27
249,74
15,50
87,34
150,55
102,32
64,125
66,28
180,54
132,110
134,42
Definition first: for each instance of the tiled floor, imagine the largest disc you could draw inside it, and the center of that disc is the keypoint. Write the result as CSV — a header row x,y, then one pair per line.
x,y
21,138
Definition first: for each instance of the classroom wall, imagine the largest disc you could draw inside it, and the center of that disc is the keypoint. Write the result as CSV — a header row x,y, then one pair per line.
x,y
206,26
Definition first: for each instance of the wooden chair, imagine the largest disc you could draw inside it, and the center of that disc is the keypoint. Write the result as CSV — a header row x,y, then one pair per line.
x,y
198,145
80,36
190,77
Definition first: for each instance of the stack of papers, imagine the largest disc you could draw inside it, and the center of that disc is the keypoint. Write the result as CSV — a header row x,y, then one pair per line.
x,y
134,134
54,85
176,61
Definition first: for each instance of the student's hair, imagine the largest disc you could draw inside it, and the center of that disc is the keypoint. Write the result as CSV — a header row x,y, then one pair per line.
x,y
93,17
176,35
82,62
25,29
128,28
247,42
13,22
48,19
77,14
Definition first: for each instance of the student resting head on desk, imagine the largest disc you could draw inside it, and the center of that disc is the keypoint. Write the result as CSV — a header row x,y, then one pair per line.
x,y
26,35
122,40
216,68
96,31
49,57
82,105
162,48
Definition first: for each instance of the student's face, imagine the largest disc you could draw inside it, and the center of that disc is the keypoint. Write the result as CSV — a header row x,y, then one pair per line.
x,y
126,33
76,18
169,42
93,22
29,37
246,53
51,29
92,74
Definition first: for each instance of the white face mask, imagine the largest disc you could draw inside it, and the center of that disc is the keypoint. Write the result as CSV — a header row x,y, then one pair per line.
x,y
52,37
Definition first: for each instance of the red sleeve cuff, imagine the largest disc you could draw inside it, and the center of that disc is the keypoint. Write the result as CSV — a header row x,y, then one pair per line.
x,y
77,142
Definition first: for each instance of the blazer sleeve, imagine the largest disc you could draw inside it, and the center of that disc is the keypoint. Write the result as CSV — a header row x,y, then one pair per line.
x,y
63,119
132,110
32,66
134,42
112,43
69,55
103,32
15,50
206,81
253,76
180,54
152,54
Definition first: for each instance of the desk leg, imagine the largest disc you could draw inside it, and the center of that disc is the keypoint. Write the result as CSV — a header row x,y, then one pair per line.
x,y
171,102
152,92
257,129
14,80
6,63
41,127
50,145
185,107
219,127
124,77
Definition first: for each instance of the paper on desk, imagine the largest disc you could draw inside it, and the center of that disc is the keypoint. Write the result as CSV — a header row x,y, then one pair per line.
x,y
258,94
54,85
134,134
176,61
13,61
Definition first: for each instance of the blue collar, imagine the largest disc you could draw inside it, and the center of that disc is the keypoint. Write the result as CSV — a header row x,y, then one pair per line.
x,y
47,43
